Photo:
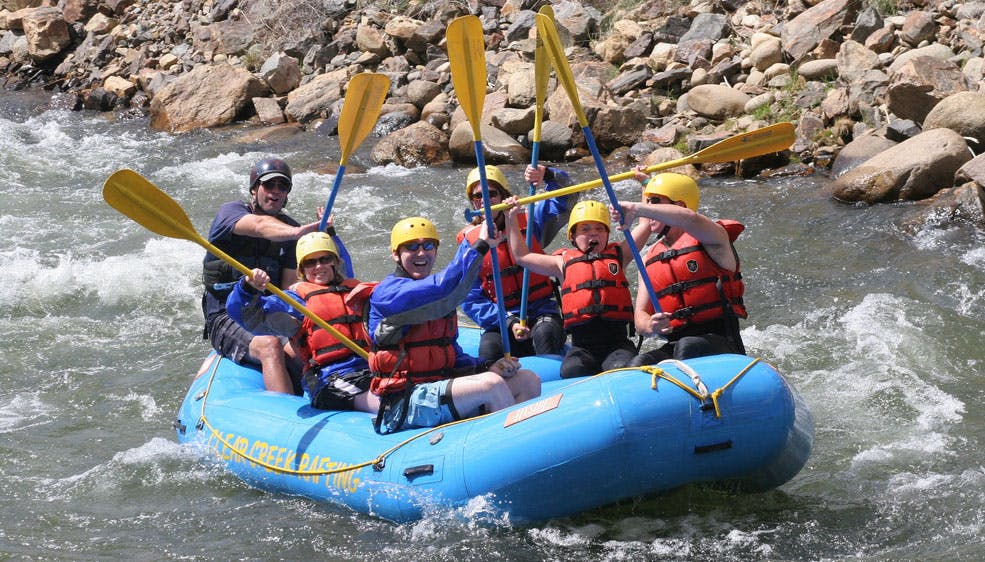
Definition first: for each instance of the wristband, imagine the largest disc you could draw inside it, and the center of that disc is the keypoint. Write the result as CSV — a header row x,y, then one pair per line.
x,y
548,174
330,230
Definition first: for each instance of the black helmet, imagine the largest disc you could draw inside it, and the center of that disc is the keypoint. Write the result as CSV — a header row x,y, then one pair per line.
x,y
269,168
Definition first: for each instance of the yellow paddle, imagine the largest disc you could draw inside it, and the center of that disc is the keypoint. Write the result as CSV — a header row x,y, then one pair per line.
x,y
134,196
766,140
467,55
360,110
547,31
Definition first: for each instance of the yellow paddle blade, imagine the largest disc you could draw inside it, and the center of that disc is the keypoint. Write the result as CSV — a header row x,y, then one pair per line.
x,y
547,32
361,109
132,195
542,74
467,55
754,143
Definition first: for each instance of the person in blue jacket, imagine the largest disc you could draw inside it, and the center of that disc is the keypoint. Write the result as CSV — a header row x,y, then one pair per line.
x,y
421,374
542,332
335,377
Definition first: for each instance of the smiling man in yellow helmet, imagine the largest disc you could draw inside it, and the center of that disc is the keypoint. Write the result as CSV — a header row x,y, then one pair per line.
x,y
421,374
542,331
694,270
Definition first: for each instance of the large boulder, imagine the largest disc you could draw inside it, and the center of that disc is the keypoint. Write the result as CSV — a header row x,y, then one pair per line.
x,y
805,32
315,99
421,144
716,101
963,112
208,96
497,146
46,31
919,84
914,169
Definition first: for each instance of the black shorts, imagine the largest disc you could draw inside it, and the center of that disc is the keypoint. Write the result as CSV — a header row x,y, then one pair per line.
x,y
230,339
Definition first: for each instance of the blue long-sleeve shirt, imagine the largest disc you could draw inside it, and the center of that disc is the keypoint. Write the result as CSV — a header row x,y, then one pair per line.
x,y
549,217
400,302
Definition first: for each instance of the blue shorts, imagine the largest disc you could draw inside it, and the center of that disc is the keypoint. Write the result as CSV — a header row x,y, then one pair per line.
x,y
426,405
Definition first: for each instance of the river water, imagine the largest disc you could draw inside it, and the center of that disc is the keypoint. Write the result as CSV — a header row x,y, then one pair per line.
x,y
879,326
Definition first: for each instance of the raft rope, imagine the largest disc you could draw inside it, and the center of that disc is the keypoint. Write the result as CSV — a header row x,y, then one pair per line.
x,y
700,391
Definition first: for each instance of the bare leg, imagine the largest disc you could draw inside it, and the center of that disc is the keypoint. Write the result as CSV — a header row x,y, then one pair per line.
x,y
524,385
471,392
270,353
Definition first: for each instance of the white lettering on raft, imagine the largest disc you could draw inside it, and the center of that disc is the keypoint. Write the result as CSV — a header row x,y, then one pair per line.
x,y
535,409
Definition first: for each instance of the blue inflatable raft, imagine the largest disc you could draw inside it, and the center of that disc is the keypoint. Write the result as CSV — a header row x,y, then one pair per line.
x,y
584,443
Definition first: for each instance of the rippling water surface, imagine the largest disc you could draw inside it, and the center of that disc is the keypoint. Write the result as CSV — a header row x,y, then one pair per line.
x,y
878,324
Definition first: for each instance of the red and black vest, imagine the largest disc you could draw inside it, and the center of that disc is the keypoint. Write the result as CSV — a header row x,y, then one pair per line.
x,y
510,273
594,286
330,303
690,285
426,353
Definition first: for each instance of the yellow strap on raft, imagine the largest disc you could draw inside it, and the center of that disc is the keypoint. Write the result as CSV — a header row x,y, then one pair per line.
x,y
658,373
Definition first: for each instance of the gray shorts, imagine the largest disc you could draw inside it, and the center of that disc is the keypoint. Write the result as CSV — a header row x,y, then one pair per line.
x,y
426,405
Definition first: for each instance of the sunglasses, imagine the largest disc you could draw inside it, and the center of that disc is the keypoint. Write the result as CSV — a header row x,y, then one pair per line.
x,y
323,260
653,200
279,184
415,246
477,196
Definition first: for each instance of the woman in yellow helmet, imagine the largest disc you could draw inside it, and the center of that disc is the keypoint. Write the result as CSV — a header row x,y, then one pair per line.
x,y
694,270
595,299
421,375
334,377
541,332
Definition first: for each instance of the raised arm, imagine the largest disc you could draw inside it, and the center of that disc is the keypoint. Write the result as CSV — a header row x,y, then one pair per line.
x,y
535,262
712,235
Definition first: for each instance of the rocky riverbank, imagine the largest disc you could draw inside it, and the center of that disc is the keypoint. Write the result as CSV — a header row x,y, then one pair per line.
x,y
888,96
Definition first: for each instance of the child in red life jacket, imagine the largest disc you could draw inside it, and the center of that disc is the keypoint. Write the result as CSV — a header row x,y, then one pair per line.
x,y
694,270
542,331
595,299
334,377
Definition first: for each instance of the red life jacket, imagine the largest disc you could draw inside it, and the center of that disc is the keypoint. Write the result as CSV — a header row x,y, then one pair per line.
x,y
426,353
594,286
510,273
690,285
330,303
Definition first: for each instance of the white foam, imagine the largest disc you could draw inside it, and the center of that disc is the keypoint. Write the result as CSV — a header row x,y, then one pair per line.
x,y
390,171
24,411
164,268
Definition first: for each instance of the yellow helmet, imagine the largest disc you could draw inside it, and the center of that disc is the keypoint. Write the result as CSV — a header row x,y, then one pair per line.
x,y
588,211
413,228
315,242
492,174
676,187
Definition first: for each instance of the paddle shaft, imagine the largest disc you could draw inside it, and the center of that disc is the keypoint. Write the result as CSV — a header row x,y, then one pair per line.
x,y
466,53
547,31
